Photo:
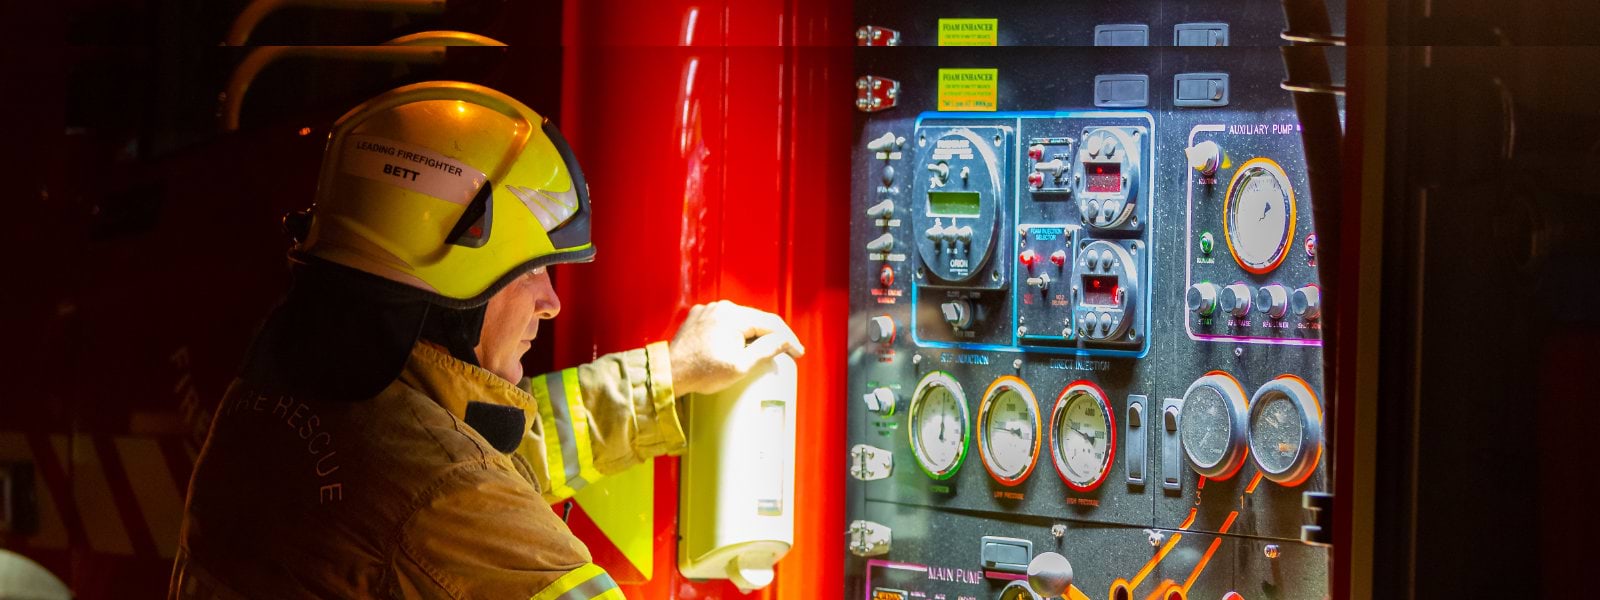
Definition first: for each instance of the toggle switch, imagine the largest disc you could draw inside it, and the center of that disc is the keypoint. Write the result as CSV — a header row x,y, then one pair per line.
x,y
882,243
941,171
1059,257
1042,282
1054,167
1028,258
885,143
881,210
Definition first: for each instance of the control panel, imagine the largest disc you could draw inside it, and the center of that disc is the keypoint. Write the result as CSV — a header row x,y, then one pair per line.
x,y
1086,348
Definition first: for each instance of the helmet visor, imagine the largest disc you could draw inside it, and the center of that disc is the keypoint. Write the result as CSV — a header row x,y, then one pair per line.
x,y
574,232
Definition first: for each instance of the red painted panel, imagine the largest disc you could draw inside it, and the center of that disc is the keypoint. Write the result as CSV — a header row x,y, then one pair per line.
x,y
718,171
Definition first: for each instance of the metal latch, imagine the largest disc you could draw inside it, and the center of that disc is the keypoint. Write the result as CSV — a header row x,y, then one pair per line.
x,y
875,93
868,538
870,463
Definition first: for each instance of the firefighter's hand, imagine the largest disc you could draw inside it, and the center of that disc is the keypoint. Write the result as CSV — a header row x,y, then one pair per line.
x,y
719,343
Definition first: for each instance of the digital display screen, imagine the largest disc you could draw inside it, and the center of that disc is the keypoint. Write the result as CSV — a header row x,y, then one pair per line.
x,y
953,204
1103,177
1100,291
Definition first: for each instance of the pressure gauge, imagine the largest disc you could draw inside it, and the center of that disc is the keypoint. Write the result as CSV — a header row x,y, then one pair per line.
x,y
1286,430
1008,430
939,425
1083,436
1212,425
1259,215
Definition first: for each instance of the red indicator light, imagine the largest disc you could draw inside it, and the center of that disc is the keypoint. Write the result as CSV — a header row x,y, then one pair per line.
x,y
1036,153
886,276
1036,180
1028,258
1059,257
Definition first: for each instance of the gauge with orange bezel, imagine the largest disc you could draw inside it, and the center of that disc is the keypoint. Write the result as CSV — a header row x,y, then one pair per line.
x,y
1008,430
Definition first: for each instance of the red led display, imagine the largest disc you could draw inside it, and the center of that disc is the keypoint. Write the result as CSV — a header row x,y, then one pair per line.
x,y
1101,291
1103,177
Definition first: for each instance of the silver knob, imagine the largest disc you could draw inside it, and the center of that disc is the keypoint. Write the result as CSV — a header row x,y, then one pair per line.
x,y
1273,301
1202,299
884,210
1049,574
881,401
957,313
881,329
1236,299
1307,302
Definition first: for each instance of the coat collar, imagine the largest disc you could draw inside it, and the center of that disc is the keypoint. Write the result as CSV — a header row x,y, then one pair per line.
x,y
453,383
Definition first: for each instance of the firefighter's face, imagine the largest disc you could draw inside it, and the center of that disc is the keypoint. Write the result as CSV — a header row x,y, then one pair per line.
x,y
512,320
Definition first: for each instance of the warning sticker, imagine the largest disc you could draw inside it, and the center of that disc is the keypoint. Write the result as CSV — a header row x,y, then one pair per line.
x,y
969,89
413,168
969,32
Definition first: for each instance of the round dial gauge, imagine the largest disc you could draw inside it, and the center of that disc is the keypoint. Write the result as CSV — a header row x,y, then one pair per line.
x,y
1259,215
1286,430
939,425
1008,430
1083,436
1212,425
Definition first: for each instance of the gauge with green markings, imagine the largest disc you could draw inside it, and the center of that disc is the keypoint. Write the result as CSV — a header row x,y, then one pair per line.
x,y
939,425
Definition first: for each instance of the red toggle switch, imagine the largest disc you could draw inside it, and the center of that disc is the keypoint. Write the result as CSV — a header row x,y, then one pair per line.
x,y
1036,180
1059,257
1028,258
1036,152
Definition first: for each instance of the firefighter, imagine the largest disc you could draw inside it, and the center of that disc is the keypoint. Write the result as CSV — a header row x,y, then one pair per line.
x,y
381,440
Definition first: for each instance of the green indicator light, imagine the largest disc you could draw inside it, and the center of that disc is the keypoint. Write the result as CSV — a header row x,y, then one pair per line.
x,y
1207,242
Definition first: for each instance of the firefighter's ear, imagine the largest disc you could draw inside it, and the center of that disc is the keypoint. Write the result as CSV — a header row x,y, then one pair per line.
x,y
500,425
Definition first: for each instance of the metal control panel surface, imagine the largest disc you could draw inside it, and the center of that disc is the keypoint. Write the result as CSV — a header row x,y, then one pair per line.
x,y
1078,329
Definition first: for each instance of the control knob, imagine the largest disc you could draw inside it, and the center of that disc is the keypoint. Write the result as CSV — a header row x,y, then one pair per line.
x,y
1202,299
957,313
1204,157
1236,299
881,329
941,171
1307,302
880,400
1049,574
1273,301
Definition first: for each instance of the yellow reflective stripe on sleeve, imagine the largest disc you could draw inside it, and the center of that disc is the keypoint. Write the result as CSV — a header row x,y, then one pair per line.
x,y
588,582
562,411
552,440
580,430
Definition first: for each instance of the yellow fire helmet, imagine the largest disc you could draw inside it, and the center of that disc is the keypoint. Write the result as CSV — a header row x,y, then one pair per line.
x,y
451,188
